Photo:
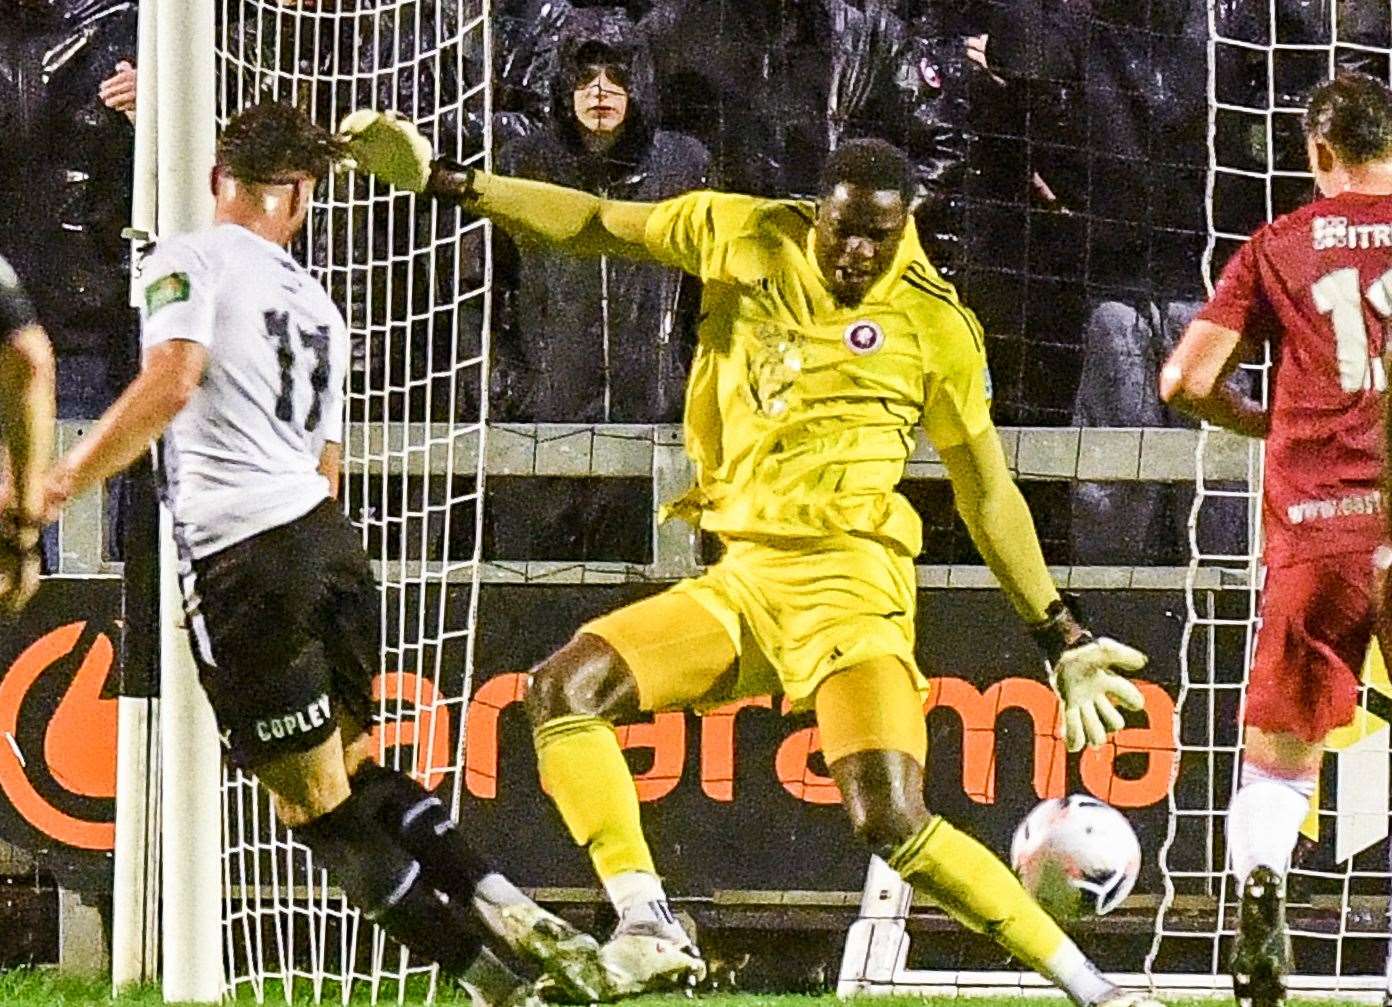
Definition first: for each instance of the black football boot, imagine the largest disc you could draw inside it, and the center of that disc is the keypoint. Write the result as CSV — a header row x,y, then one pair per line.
x,y
1261,955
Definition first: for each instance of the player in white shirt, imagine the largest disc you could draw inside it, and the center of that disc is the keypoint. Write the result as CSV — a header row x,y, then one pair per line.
x,y
243,376
26,426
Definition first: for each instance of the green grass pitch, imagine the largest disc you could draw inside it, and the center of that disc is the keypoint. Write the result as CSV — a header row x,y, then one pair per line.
x,y
41,988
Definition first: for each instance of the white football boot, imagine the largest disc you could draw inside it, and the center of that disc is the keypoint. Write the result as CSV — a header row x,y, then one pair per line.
x,y
646,955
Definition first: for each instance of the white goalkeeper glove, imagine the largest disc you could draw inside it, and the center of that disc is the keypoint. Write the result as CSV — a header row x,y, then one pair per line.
x,y
387,146
1084,674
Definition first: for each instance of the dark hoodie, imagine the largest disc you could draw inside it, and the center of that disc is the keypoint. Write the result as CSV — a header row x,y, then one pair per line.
x,y
597,340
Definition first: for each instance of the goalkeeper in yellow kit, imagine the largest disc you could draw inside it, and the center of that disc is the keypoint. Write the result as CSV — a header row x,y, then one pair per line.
x,y
826,337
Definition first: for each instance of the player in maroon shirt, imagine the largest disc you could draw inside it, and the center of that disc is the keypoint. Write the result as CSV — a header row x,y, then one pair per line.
x,y
1318,284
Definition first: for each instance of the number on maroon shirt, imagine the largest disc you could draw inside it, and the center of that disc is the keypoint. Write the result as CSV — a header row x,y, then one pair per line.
x,y
1337,295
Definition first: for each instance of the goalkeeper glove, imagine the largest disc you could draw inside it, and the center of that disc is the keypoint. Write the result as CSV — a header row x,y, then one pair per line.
x,y
1083,671
387,146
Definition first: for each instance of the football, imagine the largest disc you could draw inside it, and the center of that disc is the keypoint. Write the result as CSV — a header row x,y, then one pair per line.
x,y
1077,856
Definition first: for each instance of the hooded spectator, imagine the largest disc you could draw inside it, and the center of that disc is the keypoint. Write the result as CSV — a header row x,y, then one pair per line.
x,y
591,340
597,340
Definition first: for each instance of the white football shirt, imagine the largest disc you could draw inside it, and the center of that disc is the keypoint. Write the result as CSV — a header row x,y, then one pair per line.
x,y
242,457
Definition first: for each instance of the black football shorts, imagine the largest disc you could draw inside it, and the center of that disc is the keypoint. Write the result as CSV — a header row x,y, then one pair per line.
x,y
285,628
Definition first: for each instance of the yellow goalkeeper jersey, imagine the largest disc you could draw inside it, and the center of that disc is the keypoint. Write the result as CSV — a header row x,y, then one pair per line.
x,y
801,413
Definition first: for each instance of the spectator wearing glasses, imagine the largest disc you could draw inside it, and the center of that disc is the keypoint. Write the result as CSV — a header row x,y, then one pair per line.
x,y
598,340
592,340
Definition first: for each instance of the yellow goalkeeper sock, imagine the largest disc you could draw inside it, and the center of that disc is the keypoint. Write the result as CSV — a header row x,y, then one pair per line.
x,y
582,768
970,883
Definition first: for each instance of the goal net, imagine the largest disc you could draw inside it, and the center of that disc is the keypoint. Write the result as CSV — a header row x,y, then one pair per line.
x,y
412,279
1263,60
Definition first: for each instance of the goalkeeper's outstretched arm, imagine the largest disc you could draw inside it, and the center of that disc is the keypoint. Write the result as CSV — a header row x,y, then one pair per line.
x,y
1082,668
569,219
1000,523
392,149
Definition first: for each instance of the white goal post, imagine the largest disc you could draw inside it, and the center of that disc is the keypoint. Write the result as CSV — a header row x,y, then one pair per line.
x,y
174,157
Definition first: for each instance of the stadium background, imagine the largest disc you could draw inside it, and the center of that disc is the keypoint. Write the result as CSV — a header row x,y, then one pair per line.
x,y
1066,184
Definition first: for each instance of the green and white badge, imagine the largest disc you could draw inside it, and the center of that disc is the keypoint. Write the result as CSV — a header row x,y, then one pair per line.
x,y
166,290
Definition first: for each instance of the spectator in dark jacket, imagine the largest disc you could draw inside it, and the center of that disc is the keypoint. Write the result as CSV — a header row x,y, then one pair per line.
x,y
591,340
602,340
68,168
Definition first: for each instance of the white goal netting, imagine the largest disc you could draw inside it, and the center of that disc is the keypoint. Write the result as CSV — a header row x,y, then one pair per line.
x,y
413,281
1264,57
1263,60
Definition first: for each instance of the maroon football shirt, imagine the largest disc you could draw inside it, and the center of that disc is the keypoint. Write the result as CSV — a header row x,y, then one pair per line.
x,y
1318,284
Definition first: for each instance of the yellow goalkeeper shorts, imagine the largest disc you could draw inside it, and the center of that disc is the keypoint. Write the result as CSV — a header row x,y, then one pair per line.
x,y
768,618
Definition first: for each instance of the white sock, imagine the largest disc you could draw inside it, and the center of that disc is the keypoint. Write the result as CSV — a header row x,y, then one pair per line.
x,y
638,895
1077,976
492,895
497,890
1264,820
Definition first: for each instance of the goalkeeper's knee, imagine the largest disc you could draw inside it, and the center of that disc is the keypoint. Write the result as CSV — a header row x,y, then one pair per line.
x,y
586,677
885,820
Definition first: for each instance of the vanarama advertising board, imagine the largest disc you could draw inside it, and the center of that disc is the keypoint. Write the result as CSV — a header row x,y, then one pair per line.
x,y
736,799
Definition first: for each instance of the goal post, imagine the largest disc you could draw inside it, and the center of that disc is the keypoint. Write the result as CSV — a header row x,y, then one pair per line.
x,y
190,757
180,914
135,867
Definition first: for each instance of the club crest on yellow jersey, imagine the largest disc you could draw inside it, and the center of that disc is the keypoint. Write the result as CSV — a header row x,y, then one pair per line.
x,y
863,337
